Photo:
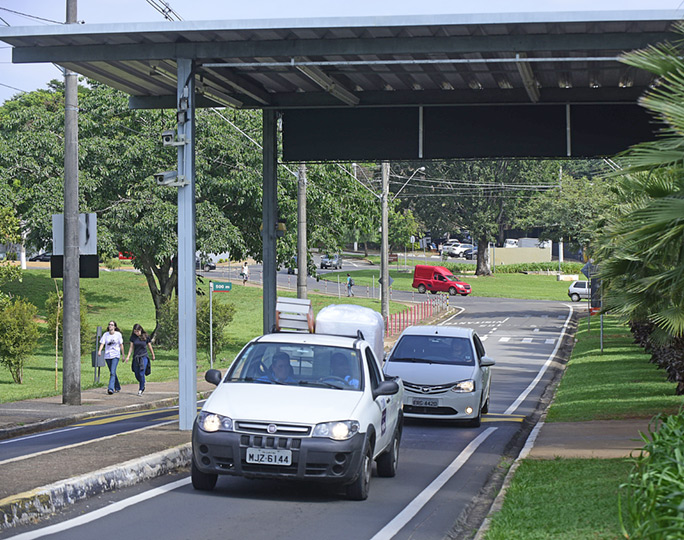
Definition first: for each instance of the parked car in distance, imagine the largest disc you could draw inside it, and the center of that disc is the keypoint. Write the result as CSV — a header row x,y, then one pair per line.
x,y
578,290
438,279
470,254
445,371
449,245
126,256
331,261
459,250
41,257
204,265
511,243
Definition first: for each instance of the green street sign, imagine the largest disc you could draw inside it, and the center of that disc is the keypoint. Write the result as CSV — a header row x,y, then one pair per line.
x,y
221,286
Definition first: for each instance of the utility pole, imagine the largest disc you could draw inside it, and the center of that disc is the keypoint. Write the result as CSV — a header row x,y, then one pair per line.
x,y
384,245
71,350
301,232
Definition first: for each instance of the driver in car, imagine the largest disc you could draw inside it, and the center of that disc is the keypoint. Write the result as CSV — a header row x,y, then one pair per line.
x,y
281,370
340,368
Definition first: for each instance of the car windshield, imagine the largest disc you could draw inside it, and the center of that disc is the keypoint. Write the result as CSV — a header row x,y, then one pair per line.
x,y
447,350
450,277
295,364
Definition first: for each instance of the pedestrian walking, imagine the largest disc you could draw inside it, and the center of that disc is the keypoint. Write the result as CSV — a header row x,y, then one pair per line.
x,y
112,343
245,273
350,284
140,343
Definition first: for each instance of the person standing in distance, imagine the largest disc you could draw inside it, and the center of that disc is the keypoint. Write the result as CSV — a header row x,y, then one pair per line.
x,y
140,342
112,342
245,273
350,284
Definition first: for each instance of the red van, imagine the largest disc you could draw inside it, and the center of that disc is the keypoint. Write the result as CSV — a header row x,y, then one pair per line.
x,y
438,278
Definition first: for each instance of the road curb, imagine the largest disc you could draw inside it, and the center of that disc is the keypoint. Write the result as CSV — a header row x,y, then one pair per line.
x,y
32,505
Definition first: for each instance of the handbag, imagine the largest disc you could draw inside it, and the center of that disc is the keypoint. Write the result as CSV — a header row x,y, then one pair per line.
x,y
148,368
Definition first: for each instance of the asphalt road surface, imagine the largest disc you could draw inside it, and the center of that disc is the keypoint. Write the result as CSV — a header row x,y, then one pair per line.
x,y
443,467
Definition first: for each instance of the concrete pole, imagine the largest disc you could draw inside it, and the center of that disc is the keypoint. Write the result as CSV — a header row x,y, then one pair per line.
x,y
270,217
187,302
71,349
384,247
301,232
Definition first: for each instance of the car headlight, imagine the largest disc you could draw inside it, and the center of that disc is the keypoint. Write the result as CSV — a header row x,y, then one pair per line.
x,y
464,386
214,422
338,431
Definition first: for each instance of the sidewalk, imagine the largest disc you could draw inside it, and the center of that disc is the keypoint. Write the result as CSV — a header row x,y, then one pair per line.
x,y
46,482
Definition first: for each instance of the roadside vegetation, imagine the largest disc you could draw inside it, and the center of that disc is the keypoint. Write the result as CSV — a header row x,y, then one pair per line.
x,y
125,298
579,499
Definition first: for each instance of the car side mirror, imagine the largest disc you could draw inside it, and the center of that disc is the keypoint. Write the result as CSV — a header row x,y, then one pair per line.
x,y
486,361
213,376
386,388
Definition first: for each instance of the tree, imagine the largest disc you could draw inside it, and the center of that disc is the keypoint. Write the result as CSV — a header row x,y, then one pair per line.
x,y
9,233
18,335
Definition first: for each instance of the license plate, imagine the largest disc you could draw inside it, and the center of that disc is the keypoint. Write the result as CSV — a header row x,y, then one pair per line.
x,y
423,402
265,456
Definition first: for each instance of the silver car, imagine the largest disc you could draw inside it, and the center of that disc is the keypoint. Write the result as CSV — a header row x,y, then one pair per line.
x,y
579,289
446,373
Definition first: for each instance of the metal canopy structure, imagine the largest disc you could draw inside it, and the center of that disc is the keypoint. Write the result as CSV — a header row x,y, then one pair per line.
x,y
417,87
362,62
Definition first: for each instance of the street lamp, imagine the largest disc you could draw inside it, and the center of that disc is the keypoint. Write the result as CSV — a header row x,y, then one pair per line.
x,y
419,169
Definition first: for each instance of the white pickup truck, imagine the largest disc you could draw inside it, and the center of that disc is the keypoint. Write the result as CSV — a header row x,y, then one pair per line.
x,y
304,406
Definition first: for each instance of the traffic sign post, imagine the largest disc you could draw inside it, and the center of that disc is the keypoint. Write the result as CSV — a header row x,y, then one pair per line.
x,y
214,286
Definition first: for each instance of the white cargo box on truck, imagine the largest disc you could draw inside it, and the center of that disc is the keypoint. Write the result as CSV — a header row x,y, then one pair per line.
x,y
348,320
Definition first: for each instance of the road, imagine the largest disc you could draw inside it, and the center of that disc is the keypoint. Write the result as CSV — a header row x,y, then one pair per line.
x,y
443,468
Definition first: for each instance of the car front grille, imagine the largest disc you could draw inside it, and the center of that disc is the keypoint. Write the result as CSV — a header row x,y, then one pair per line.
x,y
272,429
427,389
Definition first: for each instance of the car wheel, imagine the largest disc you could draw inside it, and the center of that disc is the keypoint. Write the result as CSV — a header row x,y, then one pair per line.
x,y
575,297
485,407
387,462
433,292
421,288
452,291
202,481
207,268
358,489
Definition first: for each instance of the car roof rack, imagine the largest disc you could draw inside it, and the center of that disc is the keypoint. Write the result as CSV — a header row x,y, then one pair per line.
x,y
294,315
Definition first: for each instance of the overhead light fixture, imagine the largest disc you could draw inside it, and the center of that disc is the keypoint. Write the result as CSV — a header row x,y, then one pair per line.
x,y
446,85
475,84
528,79
327,83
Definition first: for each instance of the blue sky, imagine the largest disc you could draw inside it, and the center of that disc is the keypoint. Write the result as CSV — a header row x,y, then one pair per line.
x,y
15,77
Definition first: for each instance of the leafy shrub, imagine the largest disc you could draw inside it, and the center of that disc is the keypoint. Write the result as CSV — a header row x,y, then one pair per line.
x,y
52,304
113,263
18,335
566,267
167,332
652,500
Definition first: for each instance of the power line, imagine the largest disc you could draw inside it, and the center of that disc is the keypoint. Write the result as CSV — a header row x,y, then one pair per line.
x,y
29,16
165,9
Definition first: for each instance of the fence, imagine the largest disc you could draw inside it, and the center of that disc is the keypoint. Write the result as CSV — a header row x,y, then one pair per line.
x,y
397,322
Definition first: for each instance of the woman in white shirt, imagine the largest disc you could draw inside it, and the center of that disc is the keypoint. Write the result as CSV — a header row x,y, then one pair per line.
x,y
112,342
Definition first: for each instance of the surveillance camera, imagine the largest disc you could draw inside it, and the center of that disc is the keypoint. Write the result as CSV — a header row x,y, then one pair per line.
x,y
168,137
166,178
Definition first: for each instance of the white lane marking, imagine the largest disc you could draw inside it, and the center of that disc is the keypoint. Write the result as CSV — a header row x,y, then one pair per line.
x,y
60,448
543,369
43,434
535,330
407,514
102,512
483,338
505,339
550,341
527,340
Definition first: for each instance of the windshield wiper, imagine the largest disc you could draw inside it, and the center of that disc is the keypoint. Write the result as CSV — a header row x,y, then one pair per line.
x,y
321,384
413,360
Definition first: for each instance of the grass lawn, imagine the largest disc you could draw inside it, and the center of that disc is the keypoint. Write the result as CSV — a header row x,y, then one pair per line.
x,y
562,499
525,286
577,499
125,298
617,383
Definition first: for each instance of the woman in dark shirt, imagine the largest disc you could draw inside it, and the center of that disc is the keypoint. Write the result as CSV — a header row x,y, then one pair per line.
x,y
140,342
